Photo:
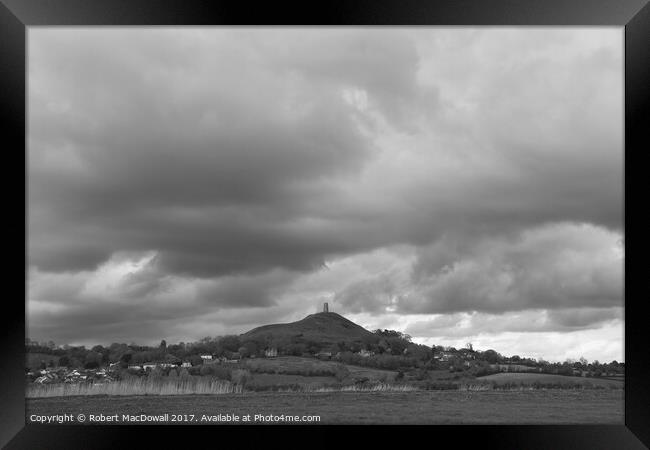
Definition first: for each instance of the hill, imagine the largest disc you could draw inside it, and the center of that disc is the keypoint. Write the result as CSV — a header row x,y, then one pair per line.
x,y
323,327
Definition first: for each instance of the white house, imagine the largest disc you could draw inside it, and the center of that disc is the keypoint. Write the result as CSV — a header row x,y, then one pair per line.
x,y
271,352
206,357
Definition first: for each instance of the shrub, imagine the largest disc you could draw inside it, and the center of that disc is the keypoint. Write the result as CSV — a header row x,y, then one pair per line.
x,y
221,372
341,372
240,376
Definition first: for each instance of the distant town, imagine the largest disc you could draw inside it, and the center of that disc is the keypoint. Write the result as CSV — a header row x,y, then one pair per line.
x,y
48,362
51,363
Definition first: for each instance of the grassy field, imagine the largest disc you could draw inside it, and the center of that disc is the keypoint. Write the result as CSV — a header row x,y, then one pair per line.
x,y
544,378
294,365
272,380
448,407
289,365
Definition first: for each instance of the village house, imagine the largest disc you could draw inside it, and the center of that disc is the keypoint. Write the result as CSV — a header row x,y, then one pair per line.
x,y
365,353
444,356
271,352
324,355
467,354
206,357
234,358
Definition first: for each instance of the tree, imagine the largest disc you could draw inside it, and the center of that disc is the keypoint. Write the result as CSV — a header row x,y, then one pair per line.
x,y
163,345
397,345
250,347
125,359
240,376
196,360
91,365
205,370
115,351
171,359
491,356
93,360
230,343
341,372
64,361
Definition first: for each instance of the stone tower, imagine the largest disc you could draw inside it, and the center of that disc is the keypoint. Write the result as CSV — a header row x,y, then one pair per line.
x,y
325,308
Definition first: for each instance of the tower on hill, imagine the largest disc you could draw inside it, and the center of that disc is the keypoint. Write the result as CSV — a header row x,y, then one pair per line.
x,y
325,307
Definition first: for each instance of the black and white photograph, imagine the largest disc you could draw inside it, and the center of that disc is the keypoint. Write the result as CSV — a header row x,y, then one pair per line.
x,y
325,225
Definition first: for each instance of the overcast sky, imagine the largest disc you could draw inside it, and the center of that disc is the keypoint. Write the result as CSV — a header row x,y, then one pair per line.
x,y
457,184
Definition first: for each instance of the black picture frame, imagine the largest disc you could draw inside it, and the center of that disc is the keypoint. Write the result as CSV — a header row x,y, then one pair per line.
x,y
634,15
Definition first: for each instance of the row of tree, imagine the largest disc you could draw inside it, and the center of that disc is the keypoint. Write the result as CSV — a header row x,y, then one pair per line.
x,y
389,349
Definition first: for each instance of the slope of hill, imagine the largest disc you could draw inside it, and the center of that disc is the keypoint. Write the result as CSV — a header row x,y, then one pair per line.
x,y
324,327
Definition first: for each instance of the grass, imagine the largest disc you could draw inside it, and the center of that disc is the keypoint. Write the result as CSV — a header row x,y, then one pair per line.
x,y
377,407
297,383
281,380
288,365
295,365
544,380
201,386
379,387
136,386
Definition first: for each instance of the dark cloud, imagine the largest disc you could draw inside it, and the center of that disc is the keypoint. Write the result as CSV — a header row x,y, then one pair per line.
x,y
553,266
246,161
243,291
211,158
130,299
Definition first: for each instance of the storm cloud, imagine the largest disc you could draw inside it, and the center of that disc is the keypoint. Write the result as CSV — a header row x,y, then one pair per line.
x,y
177,176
